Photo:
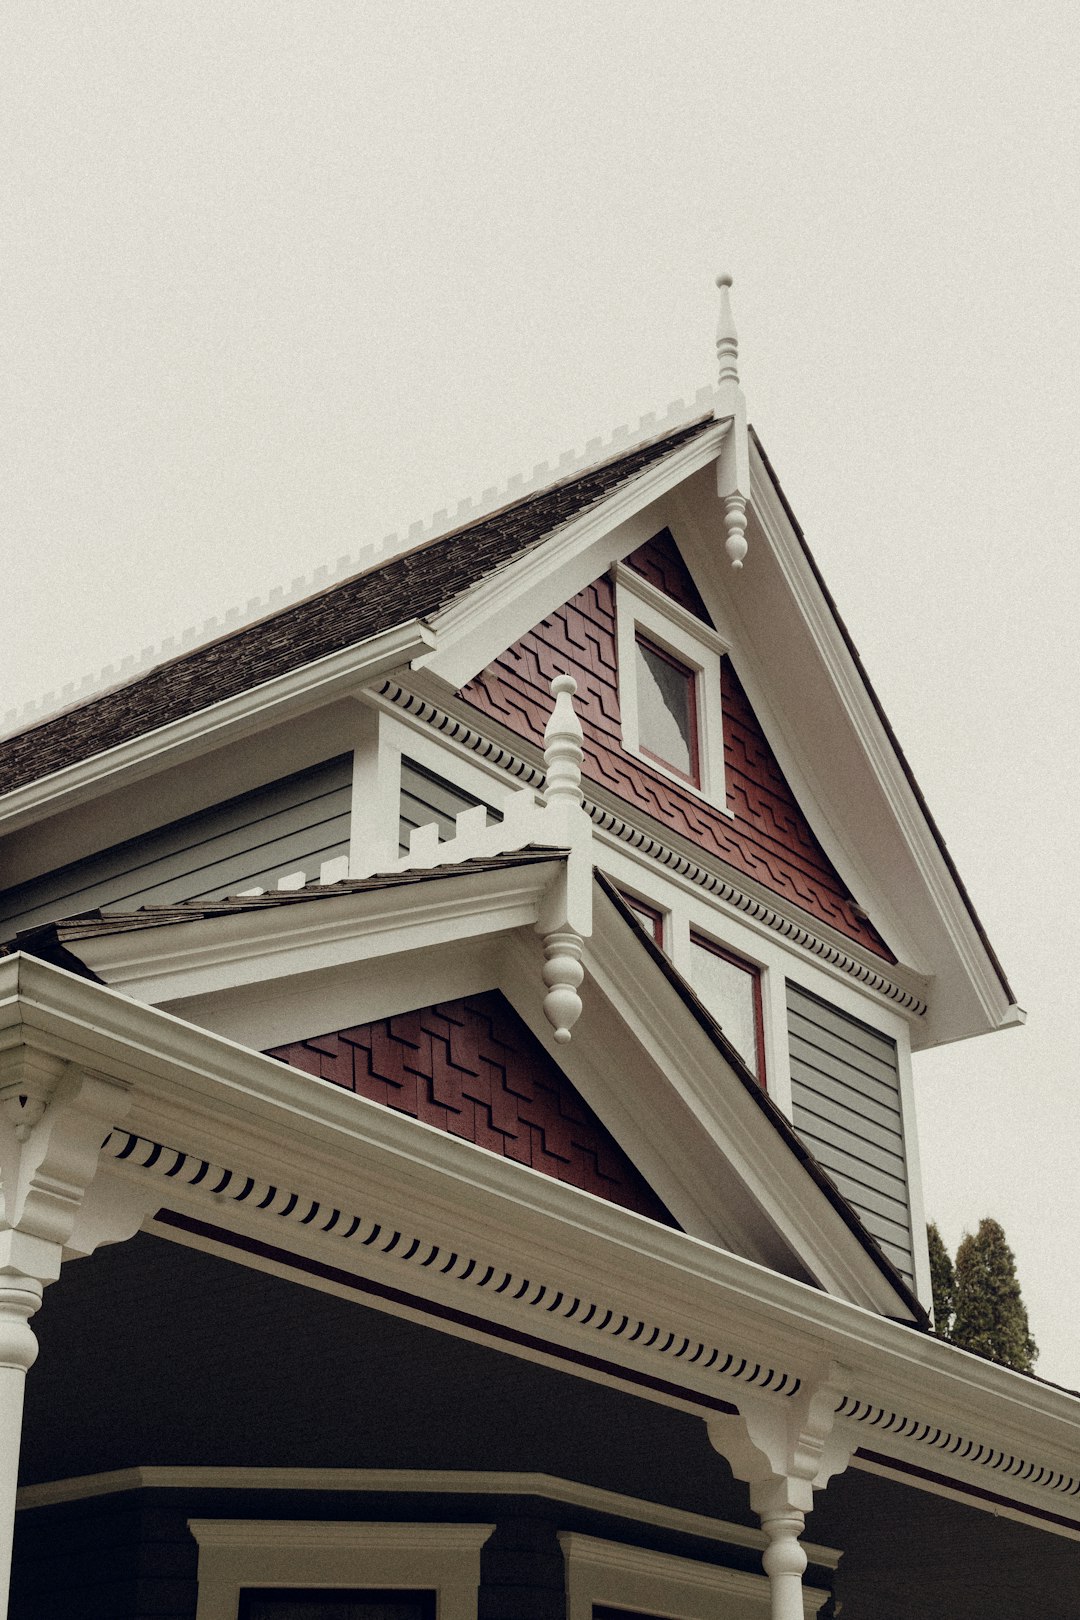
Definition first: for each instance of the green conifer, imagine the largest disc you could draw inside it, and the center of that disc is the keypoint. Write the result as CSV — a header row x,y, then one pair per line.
x,y
990,1317
942,1281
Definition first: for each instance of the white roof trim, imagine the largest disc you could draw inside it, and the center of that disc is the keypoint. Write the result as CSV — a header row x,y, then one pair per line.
x,y
303,688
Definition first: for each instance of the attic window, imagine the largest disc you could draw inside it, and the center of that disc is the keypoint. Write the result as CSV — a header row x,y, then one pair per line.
x,y
669,688
731,989
667,710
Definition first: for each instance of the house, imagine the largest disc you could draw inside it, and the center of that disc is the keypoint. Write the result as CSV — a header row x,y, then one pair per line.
x,y
456,1042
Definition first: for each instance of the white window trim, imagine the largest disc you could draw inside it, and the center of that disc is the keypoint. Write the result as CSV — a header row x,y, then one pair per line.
x,y
306,1553
607,1572
640,607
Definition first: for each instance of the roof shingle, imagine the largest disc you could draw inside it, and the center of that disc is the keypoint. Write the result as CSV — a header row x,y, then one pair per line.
x,y
413,585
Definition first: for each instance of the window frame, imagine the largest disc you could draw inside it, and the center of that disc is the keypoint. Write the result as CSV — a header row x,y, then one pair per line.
x,y
310,1553
644,612
610,1574
704,942
650,916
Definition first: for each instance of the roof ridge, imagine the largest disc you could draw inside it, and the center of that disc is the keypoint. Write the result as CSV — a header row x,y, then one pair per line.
x,y
545,475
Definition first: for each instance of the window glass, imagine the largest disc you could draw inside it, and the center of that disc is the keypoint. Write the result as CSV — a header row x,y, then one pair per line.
x,y
289,1603
667,710
648,916
731,989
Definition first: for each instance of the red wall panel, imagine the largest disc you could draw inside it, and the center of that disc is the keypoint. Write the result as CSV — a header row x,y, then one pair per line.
x,y
472,1068
766,836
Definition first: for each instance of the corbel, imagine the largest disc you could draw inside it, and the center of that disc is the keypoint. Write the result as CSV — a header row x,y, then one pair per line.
x,y
786,1448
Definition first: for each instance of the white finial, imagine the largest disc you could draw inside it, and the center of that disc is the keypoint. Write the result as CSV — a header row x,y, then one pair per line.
x,y
727,339
563,738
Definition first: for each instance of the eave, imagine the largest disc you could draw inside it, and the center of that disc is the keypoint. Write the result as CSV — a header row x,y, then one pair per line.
x,y
905,1394
301,689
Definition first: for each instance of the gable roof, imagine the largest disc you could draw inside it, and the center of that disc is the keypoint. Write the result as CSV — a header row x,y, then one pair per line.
x,y
412,585
60,942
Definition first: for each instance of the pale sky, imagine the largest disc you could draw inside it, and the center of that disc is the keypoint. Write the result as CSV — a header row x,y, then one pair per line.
x,y
278,278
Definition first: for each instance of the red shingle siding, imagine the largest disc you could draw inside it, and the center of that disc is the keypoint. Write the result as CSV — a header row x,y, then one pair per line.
x,y
473,1069
660,562
766,837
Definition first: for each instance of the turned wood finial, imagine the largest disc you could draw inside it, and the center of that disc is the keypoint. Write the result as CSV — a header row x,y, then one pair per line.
x,y
563,738
727,339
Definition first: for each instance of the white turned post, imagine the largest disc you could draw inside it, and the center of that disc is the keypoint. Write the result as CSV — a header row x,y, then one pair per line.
x,y
784,1562
19,1299
727,339
733,468
566,914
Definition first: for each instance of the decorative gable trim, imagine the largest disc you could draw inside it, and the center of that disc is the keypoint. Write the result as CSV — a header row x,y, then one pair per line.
x,y
520,761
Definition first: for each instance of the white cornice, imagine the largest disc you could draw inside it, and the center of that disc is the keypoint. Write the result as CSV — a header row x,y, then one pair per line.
x,y
861,714
440,1481
199,958
906,1394
258,706
458,726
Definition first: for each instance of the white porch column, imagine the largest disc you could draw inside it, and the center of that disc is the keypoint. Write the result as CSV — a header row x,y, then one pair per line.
x,y
53,1120
19,1299
786,1448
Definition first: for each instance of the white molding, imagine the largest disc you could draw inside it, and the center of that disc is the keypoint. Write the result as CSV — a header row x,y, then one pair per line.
x,y
238,1553
253,709
639,605
199,958
910,1395
611,1573
858,709
437,1481
480,625
509,755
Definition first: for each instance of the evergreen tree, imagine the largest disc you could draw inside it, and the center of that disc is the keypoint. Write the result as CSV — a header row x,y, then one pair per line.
x,y
990,1317
942,1281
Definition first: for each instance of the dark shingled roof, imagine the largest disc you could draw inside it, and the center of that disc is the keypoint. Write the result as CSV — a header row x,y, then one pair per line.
x,y
411,586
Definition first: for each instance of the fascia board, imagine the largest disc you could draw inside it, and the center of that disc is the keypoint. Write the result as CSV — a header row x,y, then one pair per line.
x,y
221,953
187,1081
888,773
491,616
300,689
737,1129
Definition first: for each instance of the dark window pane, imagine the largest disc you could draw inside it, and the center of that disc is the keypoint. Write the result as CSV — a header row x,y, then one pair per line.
x,y
667,722
732,992
290,1603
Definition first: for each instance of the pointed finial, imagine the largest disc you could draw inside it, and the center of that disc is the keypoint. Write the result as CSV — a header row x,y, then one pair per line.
x,y
727,339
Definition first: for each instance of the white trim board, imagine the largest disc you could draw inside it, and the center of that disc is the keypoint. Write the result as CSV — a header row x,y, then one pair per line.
x,y
462,1482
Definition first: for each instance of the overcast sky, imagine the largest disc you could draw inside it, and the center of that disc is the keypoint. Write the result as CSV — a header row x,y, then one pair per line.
x,y
279,278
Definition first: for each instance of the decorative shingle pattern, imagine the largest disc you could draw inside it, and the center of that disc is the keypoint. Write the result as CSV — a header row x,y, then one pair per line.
x,y
411,586
659,561
766,837
473,1069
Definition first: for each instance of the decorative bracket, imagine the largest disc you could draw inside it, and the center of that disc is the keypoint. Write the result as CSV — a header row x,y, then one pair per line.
x,y
733,467
53,1120
786,1448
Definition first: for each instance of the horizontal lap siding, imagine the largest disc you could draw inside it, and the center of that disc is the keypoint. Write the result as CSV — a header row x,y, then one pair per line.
x,y
845,1088
293,824
425,798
